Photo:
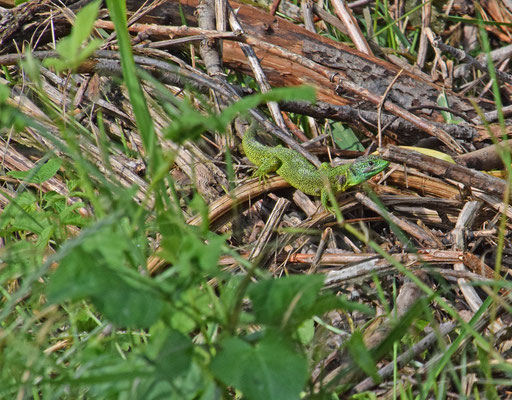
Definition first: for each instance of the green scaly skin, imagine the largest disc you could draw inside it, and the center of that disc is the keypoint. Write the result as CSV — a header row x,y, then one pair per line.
x,y
303,175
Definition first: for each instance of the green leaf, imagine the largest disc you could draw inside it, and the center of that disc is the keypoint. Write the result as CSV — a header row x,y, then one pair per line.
x,y
201,309
292,296
79,275
45,236
72,50
487,371
140,109
442,100
32,66
182,321
55,63
5,93
345,138
188,250
21,214
94,270
89,49
194,385
175,355
189,124
84,23
286,302
198,205
11,117
271,369
306,93
40,173
126,305
306,331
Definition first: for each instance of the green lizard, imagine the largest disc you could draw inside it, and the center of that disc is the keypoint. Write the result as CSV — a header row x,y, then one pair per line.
x,y
303,175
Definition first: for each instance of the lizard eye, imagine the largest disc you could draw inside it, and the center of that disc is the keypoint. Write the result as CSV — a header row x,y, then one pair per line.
x,y
370,163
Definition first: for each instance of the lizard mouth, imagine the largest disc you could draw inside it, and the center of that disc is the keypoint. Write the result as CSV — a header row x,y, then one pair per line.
x,y
370,166
342,179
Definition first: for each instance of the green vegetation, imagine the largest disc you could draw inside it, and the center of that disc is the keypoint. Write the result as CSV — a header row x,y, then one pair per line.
x,y
82,317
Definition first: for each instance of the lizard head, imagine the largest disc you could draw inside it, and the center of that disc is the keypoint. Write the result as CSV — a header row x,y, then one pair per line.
x,y
363,168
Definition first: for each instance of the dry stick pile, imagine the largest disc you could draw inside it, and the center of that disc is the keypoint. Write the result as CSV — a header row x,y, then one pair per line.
x,y
449,213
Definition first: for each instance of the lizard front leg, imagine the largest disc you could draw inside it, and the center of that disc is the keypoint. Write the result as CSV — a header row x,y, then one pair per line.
x,y
324,197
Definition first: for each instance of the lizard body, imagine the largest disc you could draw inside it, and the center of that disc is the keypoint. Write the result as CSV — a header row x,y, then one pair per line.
x,y
303,175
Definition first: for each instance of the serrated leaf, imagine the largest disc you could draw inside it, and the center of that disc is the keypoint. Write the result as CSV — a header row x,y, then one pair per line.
x,y
84,23
66,49
89,49
21,213
55,63
71,48
40,173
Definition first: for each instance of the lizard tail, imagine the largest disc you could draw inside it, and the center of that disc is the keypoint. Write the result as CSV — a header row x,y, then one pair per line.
x,y
252,148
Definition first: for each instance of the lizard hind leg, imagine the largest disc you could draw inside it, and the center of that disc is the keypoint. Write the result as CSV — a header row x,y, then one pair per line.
x,y
269,164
